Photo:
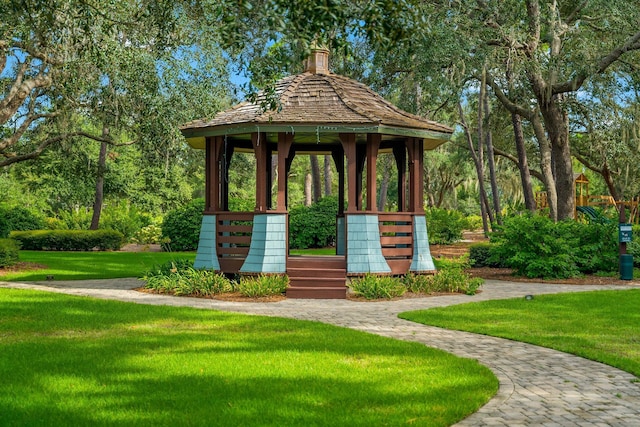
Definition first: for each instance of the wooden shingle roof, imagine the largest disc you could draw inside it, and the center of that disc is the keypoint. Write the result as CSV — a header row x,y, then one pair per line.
x,y
325,101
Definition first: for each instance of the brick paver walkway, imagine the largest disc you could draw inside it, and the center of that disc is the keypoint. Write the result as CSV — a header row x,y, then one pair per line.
x,y
538,386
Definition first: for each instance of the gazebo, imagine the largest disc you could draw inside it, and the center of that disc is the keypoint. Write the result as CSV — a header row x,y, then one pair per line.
x,y
318,113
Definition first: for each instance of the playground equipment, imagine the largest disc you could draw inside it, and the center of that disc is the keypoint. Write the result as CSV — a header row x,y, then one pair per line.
x,y
586,202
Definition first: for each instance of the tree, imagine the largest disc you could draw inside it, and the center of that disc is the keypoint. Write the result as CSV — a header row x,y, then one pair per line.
x,y
44,49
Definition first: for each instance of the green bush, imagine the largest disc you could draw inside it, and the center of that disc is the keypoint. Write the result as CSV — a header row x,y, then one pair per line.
x,y
149,235
18,218
535,246
124,218
377,287
9,254
633,247
480,255
313,226
182,226
262,285
69,240
181,280
473,222
450,278
444,226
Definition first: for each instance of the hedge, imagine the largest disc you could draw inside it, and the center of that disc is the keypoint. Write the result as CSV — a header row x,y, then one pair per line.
x,y
69,240
8,252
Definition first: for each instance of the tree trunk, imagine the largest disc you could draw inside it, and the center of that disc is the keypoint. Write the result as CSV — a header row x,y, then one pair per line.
x,y
99,195
491,160
315,175
474,156
546,168
523,165
557,125
480,156
328,179
384,185
308,197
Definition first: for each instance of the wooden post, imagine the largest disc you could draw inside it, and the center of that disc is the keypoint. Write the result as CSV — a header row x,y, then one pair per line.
x,y
285,140
373,144
213,155
400,155
338,159
361,156
349,145
416,175
259,142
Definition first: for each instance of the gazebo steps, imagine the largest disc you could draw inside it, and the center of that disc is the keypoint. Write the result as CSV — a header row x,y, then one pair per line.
x,y
317,277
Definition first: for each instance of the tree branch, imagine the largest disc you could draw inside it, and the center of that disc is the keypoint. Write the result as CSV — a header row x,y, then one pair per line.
x,y
633,43
502,97
514,159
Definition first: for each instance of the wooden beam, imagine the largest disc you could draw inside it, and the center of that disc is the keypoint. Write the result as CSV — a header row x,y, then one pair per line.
x,y
348,141
400,156
259,143
373,143
338,159
285,140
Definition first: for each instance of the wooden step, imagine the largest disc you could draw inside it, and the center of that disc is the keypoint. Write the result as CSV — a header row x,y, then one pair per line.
x,y
317,292
317,262
310,282
312,272
317,277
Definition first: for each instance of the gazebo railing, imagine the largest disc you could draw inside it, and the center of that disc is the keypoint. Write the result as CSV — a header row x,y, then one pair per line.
x,y
233,235
396,239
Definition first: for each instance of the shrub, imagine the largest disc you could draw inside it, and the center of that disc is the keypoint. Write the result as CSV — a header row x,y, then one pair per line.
x,y
633,247
313,226
535,246
444,226
18,218
451,277
69,240
124,218
178,277
182,226
473,222
262,285
149,235
480,255
370,286
9,254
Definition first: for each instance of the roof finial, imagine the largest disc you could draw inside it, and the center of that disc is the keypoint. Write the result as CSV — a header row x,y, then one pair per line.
x,y
318,60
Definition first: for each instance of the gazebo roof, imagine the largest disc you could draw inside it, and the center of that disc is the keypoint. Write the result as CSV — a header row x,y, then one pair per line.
x,y
319,105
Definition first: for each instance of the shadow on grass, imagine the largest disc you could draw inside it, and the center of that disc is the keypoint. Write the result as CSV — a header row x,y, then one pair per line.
x,y
77,361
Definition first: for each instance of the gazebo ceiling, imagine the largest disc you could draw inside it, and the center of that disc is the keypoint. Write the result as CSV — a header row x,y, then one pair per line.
x,y
317,106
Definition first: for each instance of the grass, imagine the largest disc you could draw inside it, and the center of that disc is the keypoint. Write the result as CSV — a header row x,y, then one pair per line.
x,y
67,360
91,265
601,325
313,251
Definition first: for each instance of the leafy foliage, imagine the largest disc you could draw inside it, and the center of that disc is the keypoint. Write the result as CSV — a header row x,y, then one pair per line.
x,y
182,226
371,286
9,254
177,277
313,226
444,226
262,285
69,240
480,255
535,246
450,277
18,218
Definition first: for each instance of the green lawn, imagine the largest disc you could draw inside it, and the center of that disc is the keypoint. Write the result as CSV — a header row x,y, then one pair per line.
x,y
313,251
91,265
602,325
67,360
